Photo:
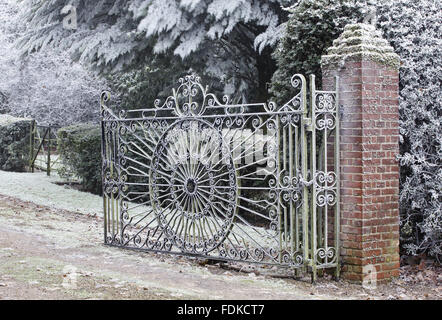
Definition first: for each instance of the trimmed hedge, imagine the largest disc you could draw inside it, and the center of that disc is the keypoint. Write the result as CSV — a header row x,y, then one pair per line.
x,y
79,147
14,143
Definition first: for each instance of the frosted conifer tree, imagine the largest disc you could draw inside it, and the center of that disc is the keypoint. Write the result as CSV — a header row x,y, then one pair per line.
x,y
229,40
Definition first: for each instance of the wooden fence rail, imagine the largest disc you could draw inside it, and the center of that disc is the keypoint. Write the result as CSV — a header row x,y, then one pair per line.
x,y
43,148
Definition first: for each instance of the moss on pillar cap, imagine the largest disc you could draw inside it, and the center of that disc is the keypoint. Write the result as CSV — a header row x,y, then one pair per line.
x,y
360,42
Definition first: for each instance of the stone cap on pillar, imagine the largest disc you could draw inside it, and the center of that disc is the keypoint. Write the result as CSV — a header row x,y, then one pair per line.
x,y
360,42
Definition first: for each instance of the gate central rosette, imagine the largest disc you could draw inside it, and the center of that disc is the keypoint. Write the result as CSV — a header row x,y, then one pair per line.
x,y
193,186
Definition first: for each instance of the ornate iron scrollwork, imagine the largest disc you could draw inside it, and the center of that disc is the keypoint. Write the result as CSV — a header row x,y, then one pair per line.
x,y
194,175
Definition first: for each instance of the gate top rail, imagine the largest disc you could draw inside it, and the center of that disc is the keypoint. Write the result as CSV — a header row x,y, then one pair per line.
x,y
192,99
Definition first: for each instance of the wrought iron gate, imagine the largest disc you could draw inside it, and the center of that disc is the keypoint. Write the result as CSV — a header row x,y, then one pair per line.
x,y
243,182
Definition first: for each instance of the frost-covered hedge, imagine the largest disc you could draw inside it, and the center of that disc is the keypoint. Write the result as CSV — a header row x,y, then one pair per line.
x,y
4,108
79,147
14,143
311,29
413,28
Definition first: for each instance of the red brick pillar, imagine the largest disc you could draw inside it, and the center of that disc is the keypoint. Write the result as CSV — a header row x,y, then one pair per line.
x,y
368,72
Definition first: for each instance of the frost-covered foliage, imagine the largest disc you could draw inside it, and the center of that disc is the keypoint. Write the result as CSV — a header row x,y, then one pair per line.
x,y
4,105
53,91
224,33
229,40
140,86
46,86
413,28
186,25
14,143
105,33
8,31
79,147
311,29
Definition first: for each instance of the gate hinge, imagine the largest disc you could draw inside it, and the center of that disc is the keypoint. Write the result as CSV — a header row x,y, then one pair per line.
x,y
341,111
308,124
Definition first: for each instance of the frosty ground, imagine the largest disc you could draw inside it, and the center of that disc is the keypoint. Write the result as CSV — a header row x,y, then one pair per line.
x,y
51,247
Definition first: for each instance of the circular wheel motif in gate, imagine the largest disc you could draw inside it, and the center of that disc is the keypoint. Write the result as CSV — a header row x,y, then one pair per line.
x,y
193,186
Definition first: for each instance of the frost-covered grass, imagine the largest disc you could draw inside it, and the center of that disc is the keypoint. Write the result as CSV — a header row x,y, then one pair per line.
x,y
41,162
41,189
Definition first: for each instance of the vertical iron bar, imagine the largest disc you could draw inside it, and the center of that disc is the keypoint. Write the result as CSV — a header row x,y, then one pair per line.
x,y
304,151
284,159
297,155
323,211
320,211
103,164
292,213
111,169
278,183
313,230
117,161
338,182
